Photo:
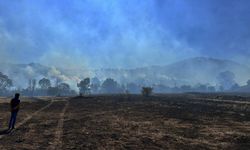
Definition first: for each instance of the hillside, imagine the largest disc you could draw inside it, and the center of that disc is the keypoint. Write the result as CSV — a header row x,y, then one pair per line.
x,y
190,71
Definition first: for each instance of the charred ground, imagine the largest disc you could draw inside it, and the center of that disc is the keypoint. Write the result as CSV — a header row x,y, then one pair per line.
x,y
177,121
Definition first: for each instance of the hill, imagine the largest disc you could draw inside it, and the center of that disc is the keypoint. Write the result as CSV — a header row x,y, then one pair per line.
x,y
190,71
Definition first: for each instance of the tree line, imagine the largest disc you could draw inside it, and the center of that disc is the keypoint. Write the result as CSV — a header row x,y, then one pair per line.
x,y
44,87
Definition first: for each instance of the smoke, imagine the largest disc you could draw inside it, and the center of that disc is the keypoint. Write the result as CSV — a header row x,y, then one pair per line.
x,y
54,73
135,31
74,37
103,34
57,76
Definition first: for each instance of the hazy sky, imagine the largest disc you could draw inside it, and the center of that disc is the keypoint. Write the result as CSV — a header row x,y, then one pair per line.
x,y
123,33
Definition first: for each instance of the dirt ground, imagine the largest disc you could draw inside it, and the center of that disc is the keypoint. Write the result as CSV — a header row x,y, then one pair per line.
x,y
173,121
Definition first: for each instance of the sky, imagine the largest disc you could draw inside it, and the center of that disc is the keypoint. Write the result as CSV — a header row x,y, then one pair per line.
x,y
123,33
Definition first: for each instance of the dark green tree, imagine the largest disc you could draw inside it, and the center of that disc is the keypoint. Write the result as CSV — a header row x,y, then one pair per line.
x,y
147,91
44,83
64,88
84,86
110,86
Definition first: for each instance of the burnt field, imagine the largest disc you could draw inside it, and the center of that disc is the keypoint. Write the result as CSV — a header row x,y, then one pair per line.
x,y
181,121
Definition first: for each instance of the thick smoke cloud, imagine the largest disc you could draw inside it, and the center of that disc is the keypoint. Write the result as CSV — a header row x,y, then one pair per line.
x,y
122,33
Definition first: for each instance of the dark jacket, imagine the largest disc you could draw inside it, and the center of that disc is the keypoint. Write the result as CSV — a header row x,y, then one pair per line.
x,y
14,104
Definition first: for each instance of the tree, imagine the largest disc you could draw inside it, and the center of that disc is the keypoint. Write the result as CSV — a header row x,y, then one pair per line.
x,y
5,82
45,83
84,86
110,86
64,88
147,91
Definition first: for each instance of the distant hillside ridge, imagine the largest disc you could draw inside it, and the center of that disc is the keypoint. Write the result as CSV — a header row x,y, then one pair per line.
x,y
189,71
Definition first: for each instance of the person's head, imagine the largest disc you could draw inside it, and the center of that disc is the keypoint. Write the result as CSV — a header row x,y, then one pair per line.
x,y
17,95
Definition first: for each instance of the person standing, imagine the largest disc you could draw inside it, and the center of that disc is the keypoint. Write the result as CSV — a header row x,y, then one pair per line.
x,y
14,108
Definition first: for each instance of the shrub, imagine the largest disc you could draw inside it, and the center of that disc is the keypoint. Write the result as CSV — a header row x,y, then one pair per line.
x,y
147,91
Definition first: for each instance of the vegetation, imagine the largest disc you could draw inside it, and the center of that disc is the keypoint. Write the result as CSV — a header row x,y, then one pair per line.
x,y
57,87
84,86
147,91
44,83
110,86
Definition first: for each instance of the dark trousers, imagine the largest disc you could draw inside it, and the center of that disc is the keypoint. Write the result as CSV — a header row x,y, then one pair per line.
x,y
12,120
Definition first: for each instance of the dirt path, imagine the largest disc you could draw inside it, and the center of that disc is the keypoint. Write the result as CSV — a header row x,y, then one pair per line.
x,y
57,144
30,117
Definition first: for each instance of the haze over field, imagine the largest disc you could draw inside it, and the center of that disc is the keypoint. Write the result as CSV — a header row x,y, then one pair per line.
x,y
73,39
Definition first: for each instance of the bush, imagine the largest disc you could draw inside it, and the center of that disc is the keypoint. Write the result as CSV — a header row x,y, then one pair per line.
x,y
147,91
